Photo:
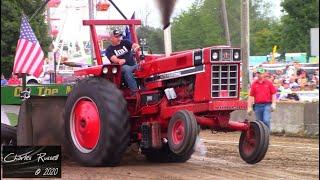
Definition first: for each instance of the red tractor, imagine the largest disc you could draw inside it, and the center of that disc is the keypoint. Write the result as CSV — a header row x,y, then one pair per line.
x,y
177,96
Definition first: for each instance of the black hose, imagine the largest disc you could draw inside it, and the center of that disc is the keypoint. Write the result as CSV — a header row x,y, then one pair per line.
x,y
118,10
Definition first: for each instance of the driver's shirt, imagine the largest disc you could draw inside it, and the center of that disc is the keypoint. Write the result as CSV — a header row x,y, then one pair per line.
x,y
122,51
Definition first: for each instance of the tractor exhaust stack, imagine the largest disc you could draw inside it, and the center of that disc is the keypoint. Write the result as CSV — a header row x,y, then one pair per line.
x,y
166,9
167,40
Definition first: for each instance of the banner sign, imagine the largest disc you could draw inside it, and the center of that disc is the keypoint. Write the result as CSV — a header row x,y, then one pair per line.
x,y
10,95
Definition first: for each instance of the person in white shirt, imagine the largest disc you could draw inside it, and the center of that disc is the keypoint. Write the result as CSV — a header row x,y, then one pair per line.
x,y
285,89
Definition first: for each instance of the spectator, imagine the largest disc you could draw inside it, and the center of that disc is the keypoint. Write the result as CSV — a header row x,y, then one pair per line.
x,y
315,78
272,77
46,78
302,80
293,84
303,73
3,80
276,83
291,71
14,80
48,65
297,67
285,90
279,72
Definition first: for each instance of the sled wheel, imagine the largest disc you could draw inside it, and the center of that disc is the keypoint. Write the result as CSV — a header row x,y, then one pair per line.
x,y
8,135
96,122
252,143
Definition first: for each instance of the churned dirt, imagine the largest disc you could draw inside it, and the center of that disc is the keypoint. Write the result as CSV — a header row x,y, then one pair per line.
x,y
217,157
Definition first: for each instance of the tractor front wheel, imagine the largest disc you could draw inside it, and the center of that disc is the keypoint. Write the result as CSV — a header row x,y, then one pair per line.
x,y
182,134
254,142
96,122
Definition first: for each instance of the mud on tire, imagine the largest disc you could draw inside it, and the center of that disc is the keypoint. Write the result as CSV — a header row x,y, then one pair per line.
x,y
112,118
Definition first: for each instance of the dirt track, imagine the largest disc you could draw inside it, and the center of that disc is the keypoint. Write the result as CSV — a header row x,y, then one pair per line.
x,y
287,158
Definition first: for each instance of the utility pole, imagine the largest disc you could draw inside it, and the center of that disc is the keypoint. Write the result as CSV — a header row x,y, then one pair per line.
x,y
49,20
245,43
91,16
225,22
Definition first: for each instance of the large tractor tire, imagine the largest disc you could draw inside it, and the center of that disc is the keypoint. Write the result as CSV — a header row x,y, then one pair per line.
x,y
96,122
182,134
253,144
8,135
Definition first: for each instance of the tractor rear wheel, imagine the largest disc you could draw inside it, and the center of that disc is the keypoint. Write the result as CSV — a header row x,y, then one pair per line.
x,y
182,135
96,122
253,144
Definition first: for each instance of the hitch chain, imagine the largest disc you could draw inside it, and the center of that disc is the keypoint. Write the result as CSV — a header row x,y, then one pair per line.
x,y
24,95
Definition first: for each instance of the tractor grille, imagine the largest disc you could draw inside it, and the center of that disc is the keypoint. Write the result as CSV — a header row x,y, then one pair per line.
x,y
224,81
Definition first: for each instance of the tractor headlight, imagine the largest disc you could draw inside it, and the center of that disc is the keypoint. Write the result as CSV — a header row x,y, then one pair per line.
x,y
215,56
114,70
236,55
105,70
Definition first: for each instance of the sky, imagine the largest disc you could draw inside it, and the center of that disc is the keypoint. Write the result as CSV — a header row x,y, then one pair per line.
x,y
73,29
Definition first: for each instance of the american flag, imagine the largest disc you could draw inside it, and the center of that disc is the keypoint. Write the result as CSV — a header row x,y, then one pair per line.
x,y
29,55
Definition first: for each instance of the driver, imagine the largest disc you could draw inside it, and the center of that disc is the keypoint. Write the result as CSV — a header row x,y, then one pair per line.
x,y
119,52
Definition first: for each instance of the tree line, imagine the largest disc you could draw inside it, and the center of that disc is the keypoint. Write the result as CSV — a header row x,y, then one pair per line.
x,y
202,25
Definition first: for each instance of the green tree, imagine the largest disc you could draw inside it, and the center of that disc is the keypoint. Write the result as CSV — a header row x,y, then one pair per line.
x,y
299,18
265,30
202,25
154,37
263,40
11,13
198,27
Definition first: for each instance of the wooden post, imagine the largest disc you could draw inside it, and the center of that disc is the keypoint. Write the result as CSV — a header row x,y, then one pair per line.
x,y
225,22
91,16
245,43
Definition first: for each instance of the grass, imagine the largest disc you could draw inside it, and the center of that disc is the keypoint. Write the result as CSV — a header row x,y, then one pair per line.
x,y
244,95
13,118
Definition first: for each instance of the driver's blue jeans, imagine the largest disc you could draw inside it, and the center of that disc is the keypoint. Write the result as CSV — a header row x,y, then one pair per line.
x,y
127,73
263,113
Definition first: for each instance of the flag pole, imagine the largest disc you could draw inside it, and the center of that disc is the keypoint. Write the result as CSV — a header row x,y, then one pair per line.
x,y
38,10
24,75
55,67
